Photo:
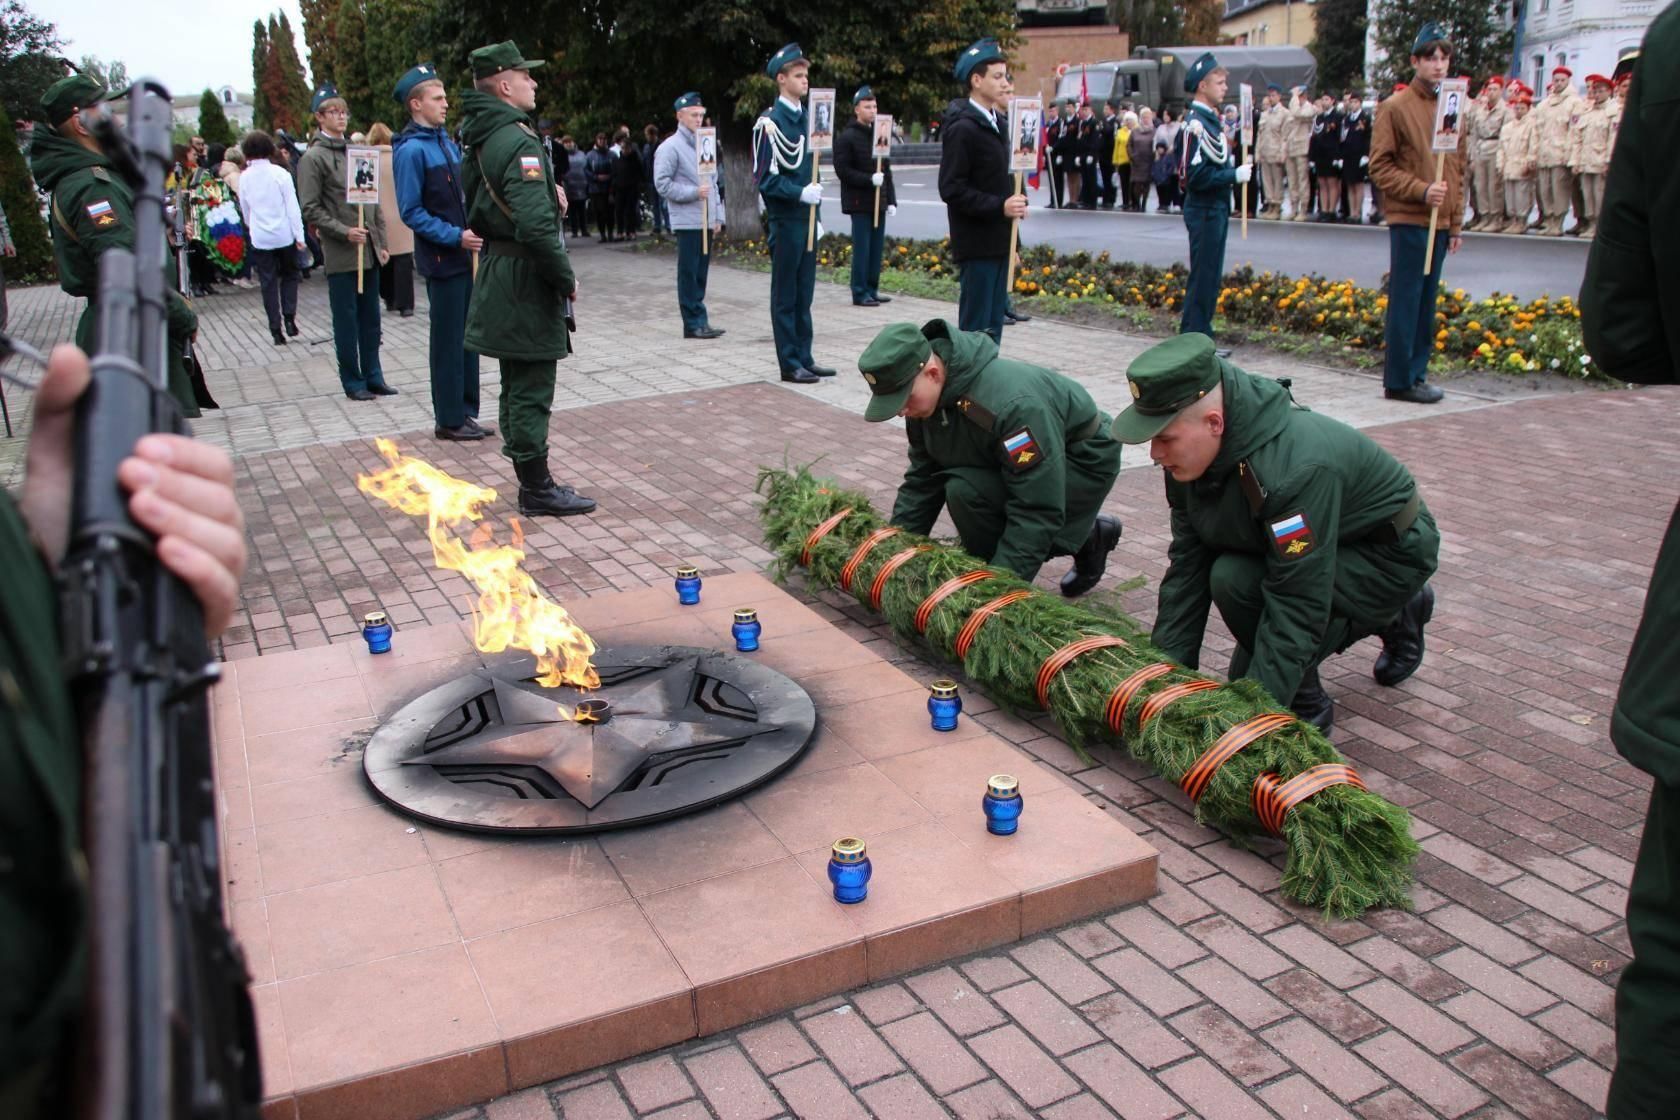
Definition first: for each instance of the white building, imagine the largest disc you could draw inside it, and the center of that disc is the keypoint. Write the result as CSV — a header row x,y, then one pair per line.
x,y
239,107
1585,35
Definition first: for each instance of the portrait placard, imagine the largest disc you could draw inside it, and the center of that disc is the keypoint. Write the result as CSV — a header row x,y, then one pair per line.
x,y
820,120
1245,97
881,147
1449,115
705,151
361,176
1025,116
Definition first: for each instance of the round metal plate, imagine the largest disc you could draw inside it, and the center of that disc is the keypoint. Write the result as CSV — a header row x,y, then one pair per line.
x,y
491,752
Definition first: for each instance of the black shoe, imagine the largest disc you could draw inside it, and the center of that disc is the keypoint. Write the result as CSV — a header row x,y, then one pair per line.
x,y
540,496
1402,640
866,302
1091,560
1010,321
800,376
1018,316
361,395
879,298
279,339
292,327
703,332
1421,393
821,371
466,433
1312,704
382,390
407,313
472,422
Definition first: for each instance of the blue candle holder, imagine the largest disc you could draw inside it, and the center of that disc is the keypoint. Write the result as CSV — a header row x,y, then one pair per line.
x,y
376,628
688,585
746,629
849,870
1002,804
944,705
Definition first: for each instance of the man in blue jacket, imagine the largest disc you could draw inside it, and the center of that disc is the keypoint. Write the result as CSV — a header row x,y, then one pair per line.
x,y
426,165
1210,170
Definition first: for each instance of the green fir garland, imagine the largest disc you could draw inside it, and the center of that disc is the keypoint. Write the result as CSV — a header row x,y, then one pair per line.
x,y
1347,848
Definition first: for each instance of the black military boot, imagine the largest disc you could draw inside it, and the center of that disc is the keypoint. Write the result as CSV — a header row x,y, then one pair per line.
x,y
1091,560
1312,704
540,496
1402,640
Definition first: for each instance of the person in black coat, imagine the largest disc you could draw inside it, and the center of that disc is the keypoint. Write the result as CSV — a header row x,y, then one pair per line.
x,y
1107,129
1090,143
975,183
627,187
1354,150
1324,153
1060,140
854,166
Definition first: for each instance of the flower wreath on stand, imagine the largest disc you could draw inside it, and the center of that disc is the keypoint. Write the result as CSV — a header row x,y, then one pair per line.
x,y
216,224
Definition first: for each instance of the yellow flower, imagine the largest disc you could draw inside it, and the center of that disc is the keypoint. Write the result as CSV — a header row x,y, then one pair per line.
x,y
1473,325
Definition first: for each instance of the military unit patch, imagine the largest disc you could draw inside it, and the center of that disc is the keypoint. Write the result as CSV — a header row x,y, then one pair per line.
x,y
1292,537
101,213
530,167
1022,450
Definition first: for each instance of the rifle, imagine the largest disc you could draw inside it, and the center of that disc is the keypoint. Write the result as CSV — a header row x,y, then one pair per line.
x,y
169,1032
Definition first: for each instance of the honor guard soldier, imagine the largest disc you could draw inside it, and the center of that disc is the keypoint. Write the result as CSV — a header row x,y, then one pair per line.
x,y
1303,532
1554,117
1589,156
689,197
854,166
1271,151
1210,170
1060,138
979,193
782,167
93,210
521,310
1019,454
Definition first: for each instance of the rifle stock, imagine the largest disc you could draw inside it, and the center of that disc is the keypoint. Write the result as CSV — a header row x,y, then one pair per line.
x,y
169,1029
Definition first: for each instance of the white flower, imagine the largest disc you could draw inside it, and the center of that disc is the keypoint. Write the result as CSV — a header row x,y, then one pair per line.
x,y
1556,363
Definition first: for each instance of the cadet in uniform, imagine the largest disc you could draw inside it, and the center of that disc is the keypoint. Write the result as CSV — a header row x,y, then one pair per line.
x,y
1061,138
676,176
1554,116
782,169
1271,151
1303,532
1516,162
1589,155
1107,129
1486,120
854,166
1298,142
520,307
1019,454
1210,171
92,211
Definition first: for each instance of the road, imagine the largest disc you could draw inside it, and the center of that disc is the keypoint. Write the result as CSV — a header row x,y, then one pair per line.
x,y
1524,266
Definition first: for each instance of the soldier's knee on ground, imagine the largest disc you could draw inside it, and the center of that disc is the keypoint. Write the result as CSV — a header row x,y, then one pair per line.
x,y
976,505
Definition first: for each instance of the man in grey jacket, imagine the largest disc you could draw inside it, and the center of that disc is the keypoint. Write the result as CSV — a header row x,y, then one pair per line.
x,y
677,178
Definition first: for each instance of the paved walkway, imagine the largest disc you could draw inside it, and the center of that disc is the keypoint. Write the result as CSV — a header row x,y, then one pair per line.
x,y
1217,998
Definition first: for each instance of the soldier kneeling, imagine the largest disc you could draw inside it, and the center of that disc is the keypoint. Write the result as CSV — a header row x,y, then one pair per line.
x,y
1019,454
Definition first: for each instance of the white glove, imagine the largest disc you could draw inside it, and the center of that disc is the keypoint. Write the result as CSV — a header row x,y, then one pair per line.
x,y
1245,172
1089,160
877,179
891,210
1363,160
1337,164
811,195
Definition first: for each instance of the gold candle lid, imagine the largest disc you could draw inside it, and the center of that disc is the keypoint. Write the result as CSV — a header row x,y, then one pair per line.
x,y
687,571
943,689
1003,785
374,618
745,614
849,849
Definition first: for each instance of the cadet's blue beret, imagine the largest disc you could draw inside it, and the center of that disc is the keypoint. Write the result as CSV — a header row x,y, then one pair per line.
x,y
1199,69
1429,33
864,93
327,92
425,72
984,51
687,101
784,58
1273,87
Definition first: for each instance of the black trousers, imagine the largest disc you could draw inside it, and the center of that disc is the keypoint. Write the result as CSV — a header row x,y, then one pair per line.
x,y
600,209
396,282
577,215
627,206
277,272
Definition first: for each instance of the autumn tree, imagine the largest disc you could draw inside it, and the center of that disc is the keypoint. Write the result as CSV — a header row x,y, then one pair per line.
x,y
1151,23
1201,22
1338,46
1480,35
282,80
30,50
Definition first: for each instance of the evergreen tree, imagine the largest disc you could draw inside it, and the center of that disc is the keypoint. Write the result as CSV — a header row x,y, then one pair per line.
x,y
320,35
1151,23
392,48
1339,44
34,260
259,64
30,53
350,69
212,121
1481,37
289,90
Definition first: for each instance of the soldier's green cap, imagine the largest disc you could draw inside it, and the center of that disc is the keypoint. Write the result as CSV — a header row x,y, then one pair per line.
x,y
1165,380
67,95
498,57
890,364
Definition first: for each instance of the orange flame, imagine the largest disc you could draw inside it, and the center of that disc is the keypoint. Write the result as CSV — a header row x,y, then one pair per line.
x,y
511,612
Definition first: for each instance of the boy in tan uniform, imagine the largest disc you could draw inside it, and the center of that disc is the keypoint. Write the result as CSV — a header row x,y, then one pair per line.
x,y
1516,163
1589,155
1554,116
1297,141
1271,151
1488,116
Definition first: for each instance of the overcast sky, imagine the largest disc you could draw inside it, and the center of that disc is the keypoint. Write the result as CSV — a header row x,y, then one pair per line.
x,y
189,45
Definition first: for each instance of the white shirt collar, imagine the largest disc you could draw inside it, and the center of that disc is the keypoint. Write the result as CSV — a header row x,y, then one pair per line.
x,y
984,112
791,104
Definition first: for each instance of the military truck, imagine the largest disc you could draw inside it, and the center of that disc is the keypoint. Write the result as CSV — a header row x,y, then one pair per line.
x,y
1154,76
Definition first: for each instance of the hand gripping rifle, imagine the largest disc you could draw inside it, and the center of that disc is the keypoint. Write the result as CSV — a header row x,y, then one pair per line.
x,y
169,1032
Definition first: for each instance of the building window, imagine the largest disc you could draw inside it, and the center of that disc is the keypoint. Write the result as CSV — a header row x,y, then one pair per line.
x,y
1545,6
227,95
1539,75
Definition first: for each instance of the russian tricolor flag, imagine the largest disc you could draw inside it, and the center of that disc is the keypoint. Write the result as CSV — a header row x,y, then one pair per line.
x,y
1289,528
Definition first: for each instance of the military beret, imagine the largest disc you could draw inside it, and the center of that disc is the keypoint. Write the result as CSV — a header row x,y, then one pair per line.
x,y
784,58
981,53
1564,70
498,57
864,93
688,100
1399,87
425,72
1166,379
67,95
1495,80
1430,32
890,364
1599,80
1199,69
1273,87
327,92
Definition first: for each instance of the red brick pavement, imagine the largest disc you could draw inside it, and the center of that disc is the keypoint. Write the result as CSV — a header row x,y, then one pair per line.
x,y
1218,997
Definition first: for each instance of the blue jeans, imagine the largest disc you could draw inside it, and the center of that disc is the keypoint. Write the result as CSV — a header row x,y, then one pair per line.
x,y
355,319
1409,332
692,268
454,367
982,295
868,240
1207,227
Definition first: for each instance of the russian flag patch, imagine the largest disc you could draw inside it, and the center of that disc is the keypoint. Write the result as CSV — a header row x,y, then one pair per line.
x,y
1292,537
101,213
530,167
1021,450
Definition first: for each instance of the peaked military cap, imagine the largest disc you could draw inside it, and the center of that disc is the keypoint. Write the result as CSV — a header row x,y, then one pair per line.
x,y
891,364
498,57
687,101
425,72
864,93
1199,69
327,92
1274,87
784,58
981,53
1624,65
1430,32
67,95
1165,380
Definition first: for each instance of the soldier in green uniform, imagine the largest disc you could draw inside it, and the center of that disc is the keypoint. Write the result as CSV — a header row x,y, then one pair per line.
x,y
1630,320
1304,533
782,170
1019,454
92,211
521,302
